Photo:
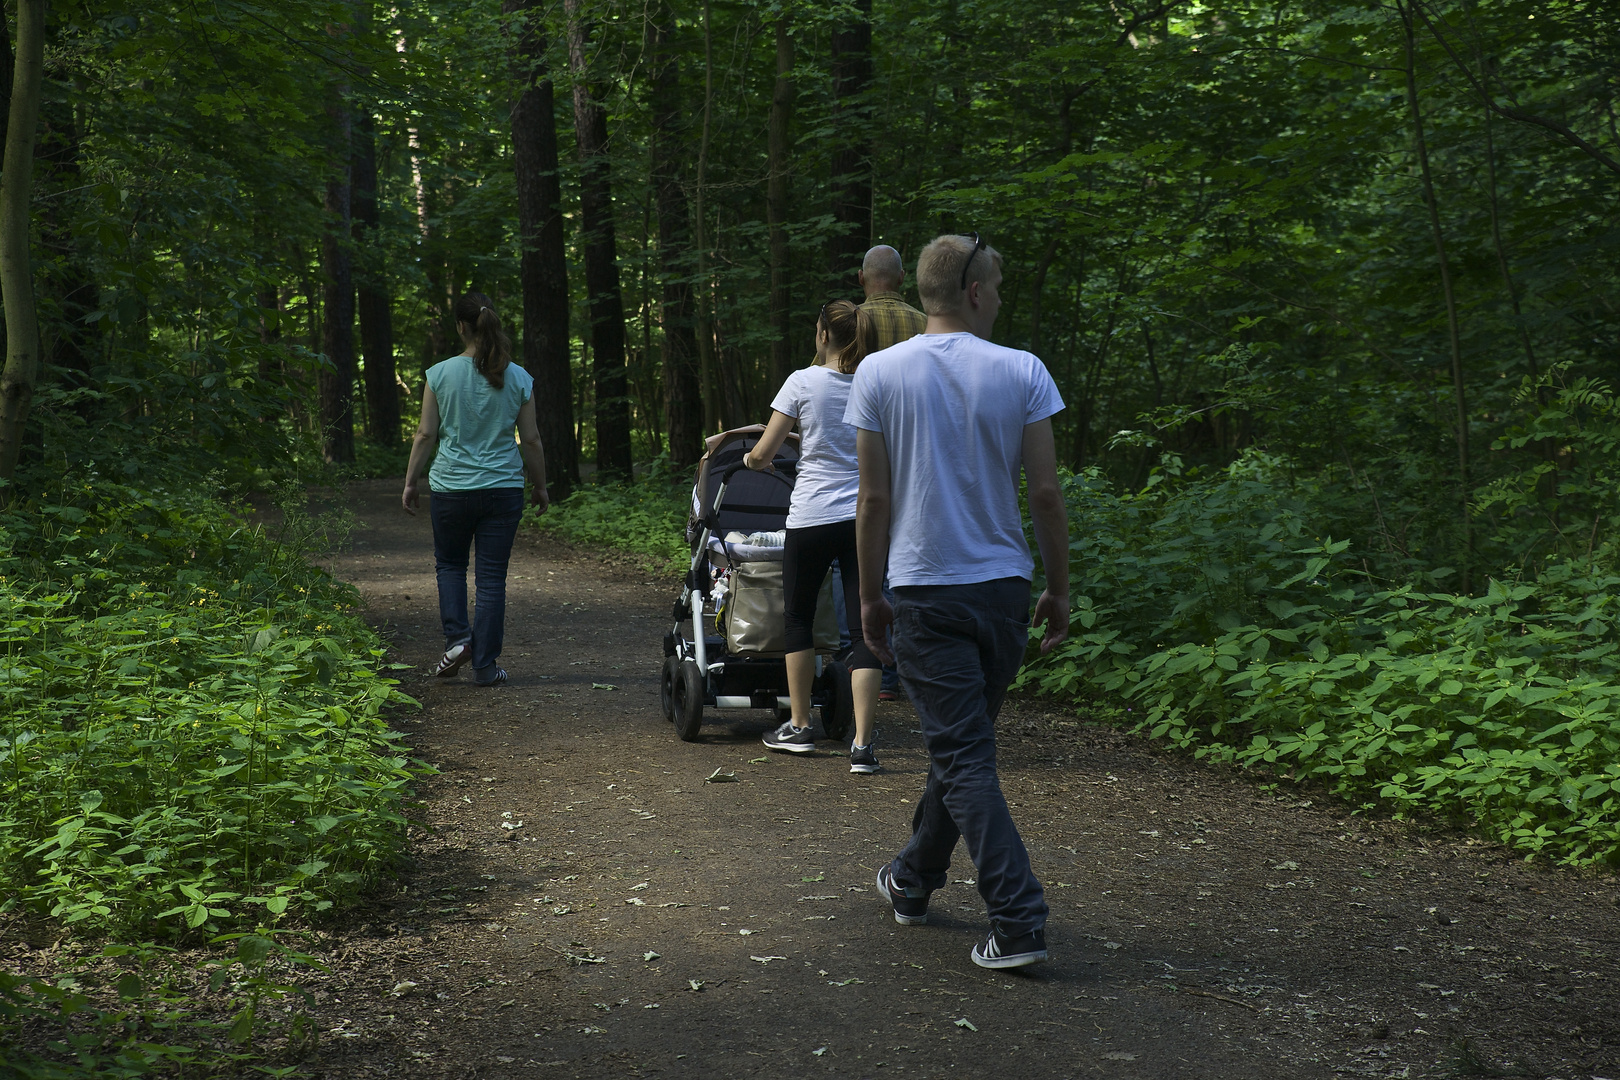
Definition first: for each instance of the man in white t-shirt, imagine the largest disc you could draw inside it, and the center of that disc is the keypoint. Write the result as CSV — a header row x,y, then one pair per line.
x,y
946,421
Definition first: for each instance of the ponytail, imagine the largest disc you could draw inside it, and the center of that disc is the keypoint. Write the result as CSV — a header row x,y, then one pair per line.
x,y
850,332
494,347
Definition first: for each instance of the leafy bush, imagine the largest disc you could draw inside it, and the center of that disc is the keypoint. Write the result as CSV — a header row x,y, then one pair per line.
x,y
644,517
1230,629
191,730
130,1011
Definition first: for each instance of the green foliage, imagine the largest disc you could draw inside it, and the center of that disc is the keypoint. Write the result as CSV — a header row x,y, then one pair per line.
x,y
1230,628
191,728
645,517
131,1012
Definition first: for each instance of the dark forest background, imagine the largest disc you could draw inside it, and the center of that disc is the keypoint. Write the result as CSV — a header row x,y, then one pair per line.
x,y
1341,234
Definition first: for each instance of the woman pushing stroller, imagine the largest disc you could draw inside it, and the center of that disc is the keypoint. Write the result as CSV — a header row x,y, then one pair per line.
x,y
821,523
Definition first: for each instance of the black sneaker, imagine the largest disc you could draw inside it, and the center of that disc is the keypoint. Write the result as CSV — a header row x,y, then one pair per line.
x,y
908,910
862,760
795,740
1004,952
490,678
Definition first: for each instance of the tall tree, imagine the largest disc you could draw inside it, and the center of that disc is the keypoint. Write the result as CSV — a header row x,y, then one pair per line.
x,y
776,203
543,267
16,274
604,301
337,278
1448,291
374,299
852,151
683,394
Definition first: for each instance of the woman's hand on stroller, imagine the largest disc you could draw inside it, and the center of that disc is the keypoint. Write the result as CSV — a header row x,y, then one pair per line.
x,y
876,618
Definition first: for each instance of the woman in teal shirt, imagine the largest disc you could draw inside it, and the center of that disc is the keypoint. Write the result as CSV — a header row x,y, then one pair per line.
x,y
470,407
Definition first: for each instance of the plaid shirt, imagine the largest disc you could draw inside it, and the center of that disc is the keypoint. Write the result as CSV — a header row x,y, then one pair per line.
x,y
893,319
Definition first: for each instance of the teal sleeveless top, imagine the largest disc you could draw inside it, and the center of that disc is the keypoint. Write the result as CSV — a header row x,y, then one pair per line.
x,y
477,426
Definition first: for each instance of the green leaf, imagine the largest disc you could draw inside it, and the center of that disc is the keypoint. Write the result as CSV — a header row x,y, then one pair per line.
x,y
242,1027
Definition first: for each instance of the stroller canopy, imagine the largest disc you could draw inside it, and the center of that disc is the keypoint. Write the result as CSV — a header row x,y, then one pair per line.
x,y
755,501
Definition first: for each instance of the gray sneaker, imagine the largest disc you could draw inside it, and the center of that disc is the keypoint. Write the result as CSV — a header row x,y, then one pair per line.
x,y
794,740
862,760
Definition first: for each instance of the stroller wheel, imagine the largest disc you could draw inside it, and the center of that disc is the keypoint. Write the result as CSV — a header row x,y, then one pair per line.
x,y
666,686
838,701
688,715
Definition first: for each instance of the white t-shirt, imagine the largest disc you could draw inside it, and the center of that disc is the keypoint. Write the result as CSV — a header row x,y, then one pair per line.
x,y
829,478
952,409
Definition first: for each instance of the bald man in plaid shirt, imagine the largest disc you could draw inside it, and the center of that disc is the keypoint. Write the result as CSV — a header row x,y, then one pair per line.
x,y
893,319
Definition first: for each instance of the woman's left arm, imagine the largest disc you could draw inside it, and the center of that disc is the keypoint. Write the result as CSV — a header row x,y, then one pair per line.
x,y
770,442
422,446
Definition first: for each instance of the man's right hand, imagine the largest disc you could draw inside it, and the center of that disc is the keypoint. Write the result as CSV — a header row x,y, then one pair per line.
x,y
876,618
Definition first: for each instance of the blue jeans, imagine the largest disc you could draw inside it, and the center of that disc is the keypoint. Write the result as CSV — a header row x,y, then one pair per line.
x,y
957,648
489,515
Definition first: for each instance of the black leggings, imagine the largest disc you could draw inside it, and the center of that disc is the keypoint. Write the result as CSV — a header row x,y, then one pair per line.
x,y
806,557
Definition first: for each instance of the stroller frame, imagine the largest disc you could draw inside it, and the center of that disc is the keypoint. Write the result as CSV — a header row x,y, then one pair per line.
x,y
699,671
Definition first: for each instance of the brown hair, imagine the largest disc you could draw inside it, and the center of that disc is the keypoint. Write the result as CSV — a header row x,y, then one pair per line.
x,y
849,331
494,347
939,272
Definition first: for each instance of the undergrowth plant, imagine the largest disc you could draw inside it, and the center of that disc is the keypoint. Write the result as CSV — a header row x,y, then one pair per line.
x,y
645,517
1234,630
191,718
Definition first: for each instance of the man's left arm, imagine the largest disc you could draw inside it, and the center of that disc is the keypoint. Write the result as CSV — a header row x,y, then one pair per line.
x,y
1051,519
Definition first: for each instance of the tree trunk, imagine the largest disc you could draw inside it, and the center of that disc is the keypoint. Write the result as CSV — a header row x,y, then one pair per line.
x,y
776,206
683,395
851,159
710,377
1458,389
73,343
375,304
1532,368
16,274
1042,268
544,265
337,292
606,300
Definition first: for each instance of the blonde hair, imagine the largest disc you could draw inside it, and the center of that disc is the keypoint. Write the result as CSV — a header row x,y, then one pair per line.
x,y
939,271
849,331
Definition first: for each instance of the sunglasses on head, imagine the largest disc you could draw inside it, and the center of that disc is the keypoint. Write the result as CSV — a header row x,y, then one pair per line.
x,y
977,244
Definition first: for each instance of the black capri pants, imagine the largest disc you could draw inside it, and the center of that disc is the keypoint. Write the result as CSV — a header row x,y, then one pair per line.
x,y
807,555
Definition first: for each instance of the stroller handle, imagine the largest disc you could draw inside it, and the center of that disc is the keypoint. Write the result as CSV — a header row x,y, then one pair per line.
x,y
733,470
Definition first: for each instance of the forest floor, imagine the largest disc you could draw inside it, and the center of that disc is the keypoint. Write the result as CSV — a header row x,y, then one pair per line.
x,y
582,904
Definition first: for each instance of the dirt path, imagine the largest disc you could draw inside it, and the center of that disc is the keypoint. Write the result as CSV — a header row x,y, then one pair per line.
x,y
584,905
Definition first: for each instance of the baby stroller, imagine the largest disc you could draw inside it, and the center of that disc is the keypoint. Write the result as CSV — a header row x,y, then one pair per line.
x,y
726,647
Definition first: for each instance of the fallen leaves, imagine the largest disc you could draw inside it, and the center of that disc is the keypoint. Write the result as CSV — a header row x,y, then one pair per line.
x,y
964,1022
719,777
578,959
766,959
651,956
